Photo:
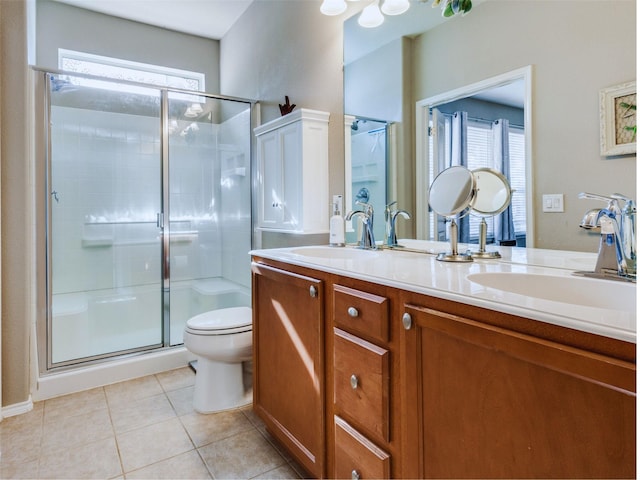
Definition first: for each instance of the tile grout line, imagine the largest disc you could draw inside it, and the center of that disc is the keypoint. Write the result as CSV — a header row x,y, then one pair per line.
x,y
113,429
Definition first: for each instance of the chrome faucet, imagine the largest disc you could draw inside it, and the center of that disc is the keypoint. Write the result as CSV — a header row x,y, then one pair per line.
x,y
617,224
367,241
390,217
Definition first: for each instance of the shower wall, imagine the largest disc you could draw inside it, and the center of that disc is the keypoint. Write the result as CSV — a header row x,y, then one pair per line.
x,y
125,149
96,232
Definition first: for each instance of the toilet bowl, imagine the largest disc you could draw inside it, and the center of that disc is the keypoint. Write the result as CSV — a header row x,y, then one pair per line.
x,y
221,339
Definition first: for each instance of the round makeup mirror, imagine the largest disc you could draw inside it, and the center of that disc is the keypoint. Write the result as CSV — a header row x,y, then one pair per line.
x,y
452,192
493,196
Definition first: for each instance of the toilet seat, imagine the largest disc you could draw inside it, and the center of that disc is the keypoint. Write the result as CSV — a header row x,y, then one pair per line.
x,y
221,322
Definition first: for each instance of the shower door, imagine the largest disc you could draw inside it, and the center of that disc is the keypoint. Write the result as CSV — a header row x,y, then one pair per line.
x,y
104,232
149,214
209,204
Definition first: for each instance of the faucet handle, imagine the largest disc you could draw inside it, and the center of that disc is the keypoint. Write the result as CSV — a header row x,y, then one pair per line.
x,y
367,208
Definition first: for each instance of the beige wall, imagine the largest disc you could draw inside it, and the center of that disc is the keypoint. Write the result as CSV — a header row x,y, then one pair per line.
x,y
576,48
283,47
59,25
14,191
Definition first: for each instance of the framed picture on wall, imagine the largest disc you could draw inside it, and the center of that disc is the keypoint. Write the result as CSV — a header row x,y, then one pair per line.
x,y
618,119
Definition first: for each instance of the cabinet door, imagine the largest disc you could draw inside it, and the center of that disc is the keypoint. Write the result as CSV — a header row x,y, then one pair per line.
x,y
290,138
493,403
288,370
271,177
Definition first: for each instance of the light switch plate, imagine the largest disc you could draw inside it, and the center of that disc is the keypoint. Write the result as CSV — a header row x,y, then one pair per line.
x,y
553,202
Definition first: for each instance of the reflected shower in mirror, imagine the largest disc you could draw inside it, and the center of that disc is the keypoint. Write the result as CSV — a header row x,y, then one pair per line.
x,y
369,151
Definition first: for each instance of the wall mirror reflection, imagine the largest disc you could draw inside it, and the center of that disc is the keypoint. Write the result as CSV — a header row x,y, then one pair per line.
x,y
369,140
420,56
481,126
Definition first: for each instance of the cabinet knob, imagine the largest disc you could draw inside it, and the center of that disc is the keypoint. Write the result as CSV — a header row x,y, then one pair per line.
x,y
406,321
313,291
354,381
352,311
355,475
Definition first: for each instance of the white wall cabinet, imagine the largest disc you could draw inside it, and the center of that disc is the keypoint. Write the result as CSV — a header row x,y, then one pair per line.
x,y
293,172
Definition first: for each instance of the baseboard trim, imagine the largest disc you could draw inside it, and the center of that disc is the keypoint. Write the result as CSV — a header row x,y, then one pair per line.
x,y
17,408
113,371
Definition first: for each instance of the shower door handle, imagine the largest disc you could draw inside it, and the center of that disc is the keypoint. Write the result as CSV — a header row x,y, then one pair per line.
x,y
160,220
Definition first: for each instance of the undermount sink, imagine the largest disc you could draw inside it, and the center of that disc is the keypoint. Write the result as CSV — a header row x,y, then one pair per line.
x,y
586,292
345,253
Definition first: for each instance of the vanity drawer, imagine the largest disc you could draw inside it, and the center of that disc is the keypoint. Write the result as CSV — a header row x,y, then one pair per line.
x,y
355,456
361,384
361,312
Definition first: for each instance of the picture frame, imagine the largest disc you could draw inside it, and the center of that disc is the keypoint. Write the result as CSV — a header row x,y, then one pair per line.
x,y
618,119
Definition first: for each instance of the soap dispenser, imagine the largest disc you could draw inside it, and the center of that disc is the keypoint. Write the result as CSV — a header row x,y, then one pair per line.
x,y
336,224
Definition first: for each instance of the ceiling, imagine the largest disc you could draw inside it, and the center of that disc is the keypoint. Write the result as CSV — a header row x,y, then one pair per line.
x,y
204,18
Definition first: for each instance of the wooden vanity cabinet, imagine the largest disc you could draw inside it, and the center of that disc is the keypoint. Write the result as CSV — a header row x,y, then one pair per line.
x,y
442,389
491,402
288,389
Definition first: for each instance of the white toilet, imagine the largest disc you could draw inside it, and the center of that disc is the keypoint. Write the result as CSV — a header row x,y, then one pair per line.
x,y
221,339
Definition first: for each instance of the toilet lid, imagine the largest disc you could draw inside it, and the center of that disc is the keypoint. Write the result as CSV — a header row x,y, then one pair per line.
x,y
222,319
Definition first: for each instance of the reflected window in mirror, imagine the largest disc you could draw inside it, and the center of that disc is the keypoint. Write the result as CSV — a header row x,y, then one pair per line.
x,y
475,143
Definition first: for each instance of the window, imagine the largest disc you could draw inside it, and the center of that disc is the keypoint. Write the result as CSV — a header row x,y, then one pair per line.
x,y
118,69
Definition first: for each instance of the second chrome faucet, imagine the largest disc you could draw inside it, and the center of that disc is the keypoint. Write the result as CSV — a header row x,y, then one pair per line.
x,y
367,240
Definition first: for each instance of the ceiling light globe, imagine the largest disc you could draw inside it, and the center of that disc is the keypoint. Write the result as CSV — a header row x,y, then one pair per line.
x,y
395,7
371,16
333,7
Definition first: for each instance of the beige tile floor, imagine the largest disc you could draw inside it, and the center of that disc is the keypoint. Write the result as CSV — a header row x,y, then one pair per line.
x,y
143,428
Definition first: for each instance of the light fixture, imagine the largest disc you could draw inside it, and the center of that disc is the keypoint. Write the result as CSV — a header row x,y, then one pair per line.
x,y
395,7
371,16
333,7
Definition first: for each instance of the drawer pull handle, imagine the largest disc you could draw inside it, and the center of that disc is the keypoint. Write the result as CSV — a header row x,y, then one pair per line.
x,y
355,475
406,321
353,312
313,291
354,381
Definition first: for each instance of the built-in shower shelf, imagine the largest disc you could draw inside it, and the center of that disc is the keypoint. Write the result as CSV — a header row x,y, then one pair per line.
x,y
183,237
234,172
123,222
365,178
97,242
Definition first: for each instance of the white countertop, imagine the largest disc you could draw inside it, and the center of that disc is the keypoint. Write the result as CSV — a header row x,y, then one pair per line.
x,y
422,273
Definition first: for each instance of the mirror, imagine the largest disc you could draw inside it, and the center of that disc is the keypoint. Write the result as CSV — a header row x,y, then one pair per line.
x,y
453,193
493,193
493,196
419,55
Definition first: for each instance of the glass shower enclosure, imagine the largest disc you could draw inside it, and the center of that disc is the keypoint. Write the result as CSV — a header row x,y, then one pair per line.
x,y
148,214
